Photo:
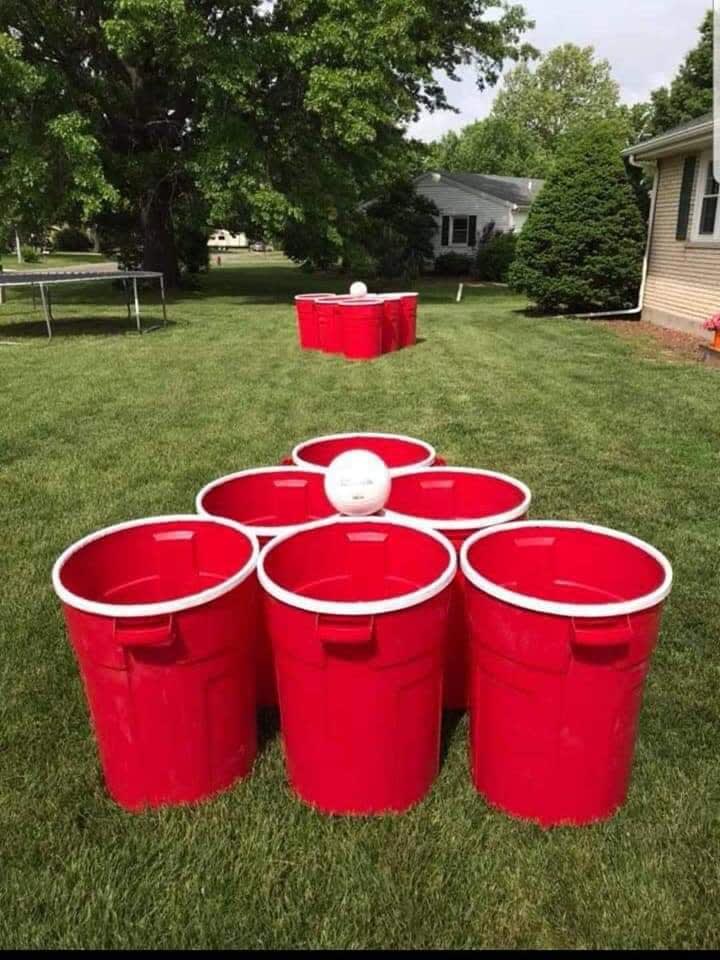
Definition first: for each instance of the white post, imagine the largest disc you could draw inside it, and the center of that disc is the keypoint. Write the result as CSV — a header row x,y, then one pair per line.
x,y
18,249
459,293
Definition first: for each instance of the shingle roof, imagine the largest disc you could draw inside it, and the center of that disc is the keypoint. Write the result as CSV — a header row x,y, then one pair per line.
x,y
675,132
520,190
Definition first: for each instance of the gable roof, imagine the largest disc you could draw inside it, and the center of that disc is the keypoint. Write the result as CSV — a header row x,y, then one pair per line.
x,y
516,190
685,133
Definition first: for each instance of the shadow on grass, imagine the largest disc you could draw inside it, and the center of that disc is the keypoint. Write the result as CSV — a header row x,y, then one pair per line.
x,y
80,326
451,720
268,727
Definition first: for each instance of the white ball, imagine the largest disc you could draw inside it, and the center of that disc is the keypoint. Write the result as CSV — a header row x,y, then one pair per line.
x,y
357,483
358,289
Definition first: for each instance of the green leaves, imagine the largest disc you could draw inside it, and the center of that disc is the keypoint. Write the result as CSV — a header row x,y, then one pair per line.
x,y
582,246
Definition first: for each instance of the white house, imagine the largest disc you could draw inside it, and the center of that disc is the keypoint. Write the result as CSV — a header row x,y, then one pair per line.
x,y
227,240
468,202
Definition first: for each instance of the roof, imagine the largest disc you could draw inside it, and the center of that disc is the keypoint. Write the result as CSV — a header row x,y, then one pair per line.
x,y
518,190
690,131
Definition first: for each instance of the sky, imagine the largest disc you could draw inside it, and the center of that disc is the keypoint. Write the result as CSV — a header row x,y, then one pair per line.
x,y
644,40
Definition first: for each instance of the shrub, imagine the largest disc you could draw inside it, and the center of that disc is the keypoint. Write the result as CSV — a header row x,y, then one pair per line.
x,y
453,265
71,239
582,246
495,257
29,254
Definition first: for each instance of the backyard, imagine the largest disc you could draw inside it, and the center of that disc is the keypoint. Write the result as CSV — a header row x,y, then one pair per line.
x,y
102,425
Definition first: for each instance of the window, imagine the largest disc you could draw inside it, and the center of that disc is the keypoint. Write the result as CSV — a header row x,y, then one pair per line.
x,y
459,231
707,202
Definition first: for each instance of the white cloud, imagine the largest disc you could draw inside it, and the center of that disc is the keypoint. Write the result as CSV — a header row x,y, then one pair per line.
x,y
644,40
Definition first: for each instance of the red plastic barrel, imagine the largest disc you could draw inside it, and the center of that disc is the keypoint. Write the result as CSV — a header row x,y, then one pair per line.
x,y
269,502
458,501
357,611
408,318
161,614
361,322
391,322
329,326
563,620
308,328
401,454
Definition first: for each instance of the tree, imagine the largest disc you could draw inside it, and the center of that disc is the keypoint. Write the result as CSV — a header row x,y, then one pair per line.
x,y
568,87
532,112
582,246
495,145
690,95
395,232
268,114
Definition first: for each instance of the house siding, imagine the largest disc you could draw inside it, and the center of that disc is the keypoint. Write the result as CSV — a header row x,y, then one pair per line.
x,y
683,283
453,201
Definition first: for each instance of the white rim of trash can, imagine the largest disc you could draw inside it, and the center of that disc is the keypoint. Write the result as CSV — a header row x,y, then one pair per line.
x,y
589,610
476,523
427,461
163,607
258,530
364,608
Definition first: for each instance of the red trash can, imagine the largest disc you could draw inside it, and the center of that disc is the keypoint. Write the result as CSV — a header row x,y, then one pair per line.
x,y
268,502
308,329
361,322
563,620
161,615
408,318
401,454
457,502
329,325
357,611
391,322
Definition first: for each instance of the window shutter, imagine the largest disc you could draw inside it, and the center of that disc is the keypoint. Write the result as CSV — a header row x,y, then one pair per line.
x,y
445,239
688,182
472,231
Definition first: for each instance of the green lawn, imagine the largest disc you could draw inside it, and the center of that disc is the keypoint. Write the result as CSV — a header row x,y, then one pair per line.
x,y
101,425
55,261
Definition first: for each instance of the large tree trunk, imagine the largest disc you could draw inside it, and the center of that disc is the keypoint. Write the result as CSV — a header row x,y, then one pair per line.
x,y
159,250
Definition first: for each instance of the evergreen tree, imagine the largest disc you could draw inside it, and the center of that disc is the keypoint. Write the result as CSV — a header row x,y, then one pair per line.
x,y
582,246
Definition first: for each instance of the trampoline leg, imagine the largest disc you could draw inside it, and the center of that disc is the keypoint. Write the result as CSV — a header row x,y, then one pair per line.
x,y
162,296
45,297
127,298
34,297
137,306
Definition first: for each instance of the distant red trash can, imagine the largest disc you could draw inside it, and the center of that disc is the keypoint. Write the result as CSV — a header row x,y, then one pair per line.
x,y
161,614
308,327
401,454
329,325
408,318
457,502
563,618
361,322
269,502
357,611
391,322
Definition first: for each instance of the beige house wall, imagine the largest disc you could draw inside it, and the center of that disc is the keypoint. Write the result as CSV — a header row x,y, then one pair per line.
x,y
683,284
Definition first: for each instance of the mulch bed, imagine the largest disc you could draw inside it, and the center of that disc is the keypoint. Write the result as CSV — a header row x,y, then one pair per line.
x,y
661,342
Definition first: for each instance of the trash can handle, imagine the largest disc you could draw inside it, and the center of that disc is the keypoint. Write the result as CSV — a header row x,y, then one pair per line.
x,y
151,633
603,632
342,630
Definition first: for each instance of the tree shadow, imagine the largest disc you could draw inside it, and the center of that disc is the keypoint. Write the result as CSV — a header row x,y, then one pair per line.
x,y
79,326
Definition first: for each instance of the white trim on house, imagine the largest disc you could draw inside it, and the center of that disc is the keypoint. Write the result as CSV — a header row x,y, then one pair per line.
x,y
702,178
